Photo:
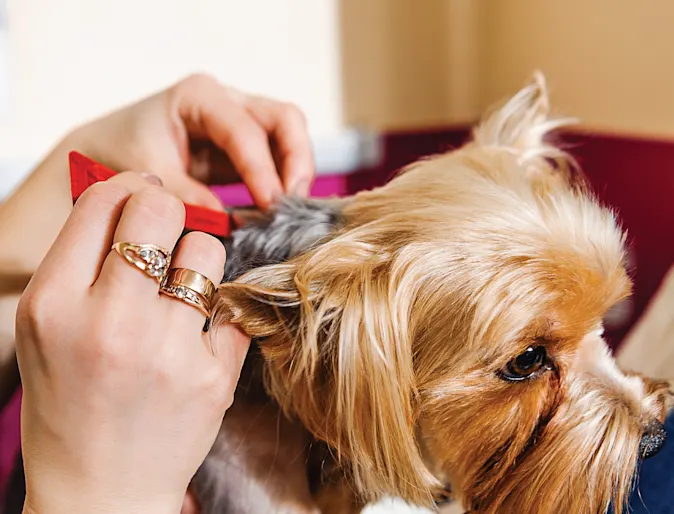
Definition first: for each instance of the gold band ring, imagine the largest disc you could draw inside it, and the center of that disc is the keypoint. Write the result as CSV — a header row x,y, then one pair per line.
x,y
151,259
189,286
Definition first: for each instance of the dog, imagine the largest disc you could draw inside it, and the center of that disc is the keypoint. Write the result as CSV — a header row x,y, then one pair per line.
x,y
438,336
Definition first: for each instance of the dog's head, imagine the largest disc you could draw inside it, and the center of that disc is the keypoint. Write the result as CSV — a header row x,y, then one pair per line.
x,y
450,331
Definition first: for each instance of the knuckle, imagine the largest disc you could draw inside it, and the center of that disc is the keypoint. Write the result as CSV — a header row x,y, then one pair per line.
x,y
159,203
197,82
219,386
293,114
205,245
104,193
35,309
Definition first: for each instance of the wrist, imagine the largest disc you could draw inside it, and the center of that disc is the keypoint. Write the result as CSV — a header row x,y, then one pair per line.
x,y
81,507
84,499
63,485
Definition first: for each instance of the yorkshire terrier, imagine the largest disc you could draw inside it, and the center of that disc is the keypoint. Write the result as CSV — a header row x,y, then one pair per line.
x,y
438,336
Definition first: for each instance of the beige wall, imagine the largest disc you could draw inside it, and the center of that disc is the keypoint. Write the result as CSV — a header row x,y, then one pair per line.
x,y
410,63
609,62
73,59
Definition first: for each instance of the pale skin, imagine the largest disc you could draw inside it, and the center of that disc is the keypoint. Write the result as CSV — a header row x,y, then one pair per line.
x,y
121,451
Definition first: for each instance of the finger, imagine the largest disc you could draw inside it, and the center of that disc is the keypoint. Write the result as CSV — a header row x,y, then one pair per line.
x,y
76,257
229,345
207,109
192,191
204,254
150,216
288,129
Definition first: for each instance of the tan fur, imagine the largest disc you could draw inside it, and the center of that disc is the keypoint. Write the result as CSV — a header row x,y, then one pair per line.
x,y
386,341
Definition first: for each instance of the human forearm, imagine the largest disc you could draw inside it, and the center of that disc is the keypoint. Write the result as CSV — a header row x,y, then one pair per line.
x,y
31,218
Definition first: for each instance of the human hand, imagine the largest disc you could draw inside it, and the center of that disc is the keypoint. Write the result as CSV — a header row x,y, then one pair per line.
x,y
261,141
123,393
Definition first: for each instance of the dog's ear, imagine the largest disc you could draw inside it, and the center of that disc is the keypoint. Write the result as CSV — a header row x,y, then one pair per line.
x,y
334,333
522,125
522,122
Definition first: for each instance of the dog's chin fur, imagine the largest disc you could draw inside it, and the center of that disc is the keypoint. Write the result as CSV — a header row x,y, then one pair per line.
x,y
386,334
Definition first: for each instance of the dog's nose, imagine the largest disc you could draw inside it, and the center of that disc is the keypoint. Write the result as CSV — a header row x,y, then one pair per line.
x,y
652,440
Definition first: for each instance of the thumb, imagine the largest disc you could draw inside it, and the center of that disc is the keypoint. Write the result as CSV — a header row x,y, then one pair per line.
x,y
192,191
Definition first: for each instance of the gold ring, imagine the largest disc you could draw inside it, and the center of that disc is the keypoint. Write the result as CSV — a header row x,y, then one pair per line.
x,y
189,286
153,260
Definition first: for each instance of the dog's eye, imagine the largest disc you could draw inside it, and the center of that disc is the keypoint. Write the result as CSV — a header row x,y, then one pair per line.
x,y
526,364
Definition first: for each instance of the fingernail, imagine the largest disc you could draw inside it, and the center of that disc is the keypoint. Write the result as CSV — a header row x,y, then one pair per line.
x,y
276,196
152,179
221,204
302,188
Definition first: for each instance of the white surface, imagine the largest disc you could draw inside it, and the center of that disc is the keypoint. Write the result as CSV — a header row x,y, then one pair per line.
x,y
4,61
75,59
11,174
346,151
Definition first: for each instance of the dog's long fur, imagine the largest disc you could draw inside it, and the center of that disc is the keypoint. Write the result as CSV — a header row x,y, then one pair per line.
x,y
386,334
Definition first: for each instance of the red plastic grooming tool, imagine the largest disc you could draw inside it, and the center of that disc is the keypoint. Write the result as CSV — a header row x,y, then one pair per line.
x,y
84,172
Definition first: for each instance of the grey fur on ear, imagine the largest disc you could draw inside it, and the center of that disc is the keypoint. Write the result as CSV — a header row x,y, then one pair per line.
x,y
291,227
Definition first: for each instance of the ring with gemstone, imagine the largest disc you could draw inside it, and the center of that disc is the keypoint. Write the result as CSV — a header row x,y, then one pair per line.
x,y
189,286
153,260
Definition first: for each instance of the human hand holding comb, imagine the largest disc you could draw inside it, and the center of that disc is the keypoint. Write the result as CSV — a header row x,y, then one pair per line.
x,y
263,142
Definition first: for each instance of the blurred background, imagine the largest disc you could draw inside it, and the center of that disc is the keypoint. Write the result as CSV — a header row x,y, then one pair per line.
x,y
382,82
380,65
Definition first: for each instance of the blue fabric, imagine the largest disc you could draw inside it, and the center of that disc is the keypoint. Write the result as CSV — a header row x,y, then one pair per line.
x,y
655,491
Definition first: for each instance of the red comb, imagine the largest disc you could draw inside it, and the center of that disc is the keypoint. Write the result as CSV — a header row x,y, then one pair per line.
x,y
84,172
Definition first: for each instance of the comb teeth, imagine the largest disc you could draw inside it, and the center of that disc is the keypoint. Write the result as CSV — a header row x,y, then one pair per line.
x,y
85,172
